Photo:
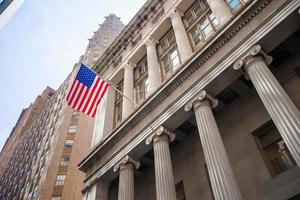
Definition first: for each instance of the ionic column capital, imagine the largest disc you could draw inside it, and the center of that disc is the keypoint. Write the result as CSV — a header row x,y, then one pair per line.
x,y
129,66
176,14
151,42
202,98
127,159
159,132
253,54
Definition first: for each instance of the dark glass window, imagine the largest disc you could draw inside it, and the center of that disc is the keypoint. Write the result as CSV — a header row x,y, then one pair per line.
x,y
273,149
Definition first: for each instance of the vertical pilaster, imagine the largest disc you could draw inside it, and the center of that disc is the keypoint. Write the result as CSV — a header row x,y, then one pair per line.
x,y
128,90
282,110
220,9
153,65
126,169
222,178
165,186
182,40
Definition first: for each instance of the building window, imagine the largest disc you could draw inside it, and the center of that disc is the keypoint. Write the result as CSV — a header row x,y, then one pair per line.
x,y
118,104
233,4
180,194
64,160
141,82
105,42
72,128
60,180
168,54
75,115
273,149
200,22
69,143
56,198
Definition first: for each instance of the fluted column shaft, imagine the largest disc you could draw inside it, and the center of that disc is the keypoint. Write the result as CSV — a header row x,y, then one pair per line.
x,y
153,65
165,186
222,178
220,172
102,190
182,40
282,110
126,182
128,90
220,9
126,167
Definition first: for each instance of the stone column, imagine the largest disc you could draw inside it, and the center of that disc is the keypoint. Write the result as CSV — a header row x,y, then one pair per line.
x,y
279,105
153,65
221,10
222,179
102,190
128,90
126,169
182,40
165,186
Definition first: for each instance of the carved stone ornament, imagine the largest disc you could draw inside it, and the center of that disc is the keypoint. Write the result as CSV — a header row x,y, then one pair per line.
x,y
125,160
175,14
201,96
160,131
254,52
151,41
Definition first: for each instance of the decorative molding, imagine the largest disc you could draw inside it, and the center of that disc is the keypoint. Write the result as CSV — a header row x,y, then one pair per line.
x,y
151,41
271,22
125,160
175,14
201,96
129,66
160,131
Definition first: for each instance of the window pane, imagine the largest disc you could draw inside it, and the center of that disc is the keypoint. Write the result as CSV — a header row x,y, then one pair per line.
x,y
205,27
189,19
175,59
233,4
196,36
64,160
72,128
60,180
69,143
213,19
166,65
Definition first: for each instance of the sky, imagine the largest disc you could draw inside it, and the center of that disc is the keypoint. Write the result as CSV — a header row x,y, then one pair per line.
x,y
40,44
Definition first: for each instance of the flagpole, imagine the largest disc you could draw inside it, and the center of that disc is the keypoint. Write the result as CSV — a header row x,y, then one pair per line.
x,y
135,105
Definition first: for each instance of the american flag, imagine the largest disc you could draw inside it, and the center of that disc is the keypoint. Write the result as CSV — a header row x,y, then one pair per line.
x,y
86,91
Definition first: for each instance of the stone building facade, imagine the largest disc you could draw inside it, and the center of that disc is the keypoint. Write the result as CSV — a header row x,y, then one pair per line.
x,y
42,163
216,88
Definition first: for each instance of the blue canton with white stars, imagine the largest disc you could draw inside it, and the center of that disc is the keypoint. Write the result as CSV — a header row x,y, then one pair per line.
x,y
85,76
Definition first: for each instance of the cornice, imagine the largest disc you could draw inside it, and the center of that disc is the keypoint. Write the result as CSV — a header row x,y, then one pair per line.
x,y
188,69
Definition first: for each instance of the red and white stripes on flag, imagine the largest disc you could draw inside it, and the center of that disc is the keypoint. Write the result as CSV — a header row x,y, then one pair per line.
x,y
86,91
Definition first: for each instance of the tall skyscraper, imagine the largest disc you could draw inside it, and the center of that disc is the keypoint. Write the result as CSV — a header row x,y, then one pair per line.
x,y
43,162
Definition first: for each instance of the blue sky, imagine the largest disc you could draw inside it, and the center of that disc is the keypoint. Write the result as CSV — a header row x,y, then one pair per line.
x,y
40,44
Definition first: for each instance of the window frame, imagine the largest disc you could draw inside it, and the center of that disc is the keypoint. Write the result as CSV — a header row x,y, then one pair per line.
x,y
72,129
141,80
60,180
118,102
64,160
164,53
69,144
